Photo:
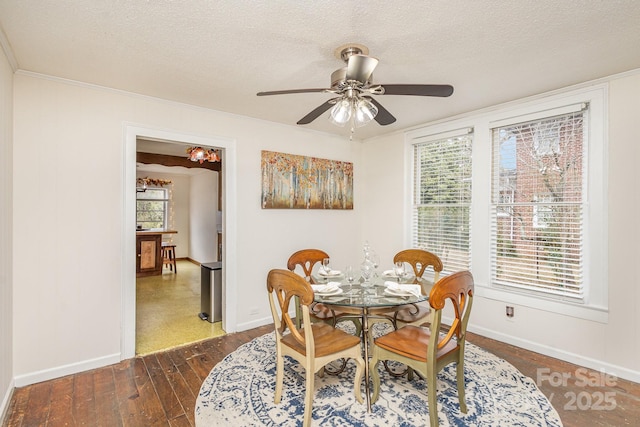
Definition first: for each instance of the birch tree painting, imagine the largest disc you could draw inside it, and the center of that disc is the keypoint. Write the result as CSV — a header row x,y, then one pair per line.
x,y
298,182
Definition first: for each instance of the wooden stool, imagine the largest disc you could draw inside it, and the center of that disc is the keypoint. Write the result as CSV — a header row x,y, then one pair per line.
x,y
169,256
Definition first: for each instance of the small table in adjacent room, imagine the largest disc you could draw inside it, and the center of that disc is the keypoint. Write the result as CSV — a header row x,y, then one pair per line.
x,y
149,252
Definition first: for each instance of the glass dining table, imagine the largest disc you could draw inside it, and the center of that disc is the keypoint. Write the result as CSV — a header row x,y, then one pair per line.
x,y
378,299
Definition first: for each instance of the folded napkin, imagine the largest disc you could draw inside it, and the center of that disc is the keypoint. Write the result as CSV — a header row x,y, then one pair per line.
x,y
325,289
328,273
410,289
389,273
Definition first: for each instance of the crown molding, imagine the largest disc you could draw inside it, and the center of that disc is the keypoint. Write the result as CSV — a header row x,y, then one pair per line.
x,y
8,52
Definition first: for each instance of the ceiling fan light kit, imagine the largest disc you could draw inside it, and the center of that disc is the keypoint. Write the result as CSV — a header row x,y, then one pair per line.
x,y
354,91
365,112
360,110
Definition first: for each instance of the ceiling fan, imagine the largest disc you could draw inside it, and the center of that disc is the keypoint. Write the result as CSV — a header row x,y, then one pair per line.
x,y
354,89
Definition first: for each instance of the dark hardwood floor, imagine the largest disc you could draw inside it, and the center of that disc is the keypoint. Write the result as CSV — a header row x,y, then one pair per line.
x,y
160,389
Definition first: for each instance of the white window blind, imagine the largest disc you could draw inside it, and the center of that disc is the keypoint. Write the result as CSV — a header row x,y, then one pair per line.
x,y
538,182
442,197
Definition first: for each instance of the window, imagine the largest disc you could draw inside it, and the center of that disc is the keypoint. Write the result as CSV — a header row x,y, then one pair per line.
x,y
442,197
151,208
537,235
530,222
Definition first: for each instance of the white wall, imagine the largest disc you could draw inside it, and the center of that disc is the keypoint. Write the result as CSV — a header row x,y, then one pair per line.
x,y
68,269
179,208
203,208
621,338
613,346
6,232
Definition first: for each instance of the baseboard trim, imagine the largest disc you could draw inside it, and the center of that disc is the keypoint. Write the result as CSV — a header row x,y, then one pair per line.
x,y
61,371
254,324
576,359
5,402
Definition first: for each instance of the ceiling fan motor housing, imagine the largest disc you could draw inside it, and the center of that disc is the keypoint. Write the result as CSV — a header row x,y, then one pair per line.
x,y
338,78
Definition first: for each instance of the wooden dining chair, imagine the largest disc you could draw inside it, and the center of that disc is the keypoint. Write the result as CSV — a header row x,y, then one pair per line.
x,y
314,345
419,260
427,351
306,259
411,314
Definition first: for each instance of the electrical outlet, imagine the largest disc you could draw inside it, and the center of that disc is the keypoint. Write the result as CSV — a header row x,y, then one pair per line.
x,y
510,311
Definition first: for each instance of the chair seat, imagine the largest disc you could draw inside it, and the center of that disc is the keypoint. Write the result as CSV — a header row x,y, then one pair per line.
x,y
328,340
412,342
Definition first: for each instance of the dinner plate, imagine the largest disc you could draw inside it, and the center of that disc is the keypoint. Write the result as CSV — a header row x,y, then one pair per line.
x,y
330,293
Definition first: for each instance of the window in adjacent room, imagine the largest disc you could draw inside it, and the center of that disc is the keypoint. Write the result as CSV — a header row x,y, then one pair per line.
x,y
151,208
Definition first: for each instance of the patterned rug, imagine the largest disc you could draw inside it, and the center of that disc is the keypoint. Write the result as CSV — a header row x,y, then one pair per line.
x,y
239,392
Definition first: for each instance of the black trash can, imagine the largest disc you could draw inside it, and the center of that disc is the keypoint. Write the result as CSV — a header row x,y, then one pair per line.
x,y
211,291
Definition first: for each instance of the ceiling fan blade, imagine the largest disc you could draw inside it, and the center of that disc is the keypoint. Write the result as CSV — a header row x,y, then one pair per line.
x,y
384,117
360,68
418,90
317,112
284,92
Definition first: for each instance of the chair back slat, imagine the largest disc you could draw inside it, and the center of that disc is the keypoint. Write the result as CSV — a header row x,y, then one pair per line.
x,y
458,289
420,260
286,285
306,259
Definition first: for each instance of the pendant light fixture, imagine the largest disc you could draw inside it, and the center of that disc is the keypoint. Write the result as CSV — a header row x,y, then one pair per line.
x,y
199,154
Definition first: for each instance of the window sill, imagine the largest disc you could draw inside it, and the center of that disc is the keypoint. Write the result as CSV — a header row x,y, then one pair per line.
x,y
566,308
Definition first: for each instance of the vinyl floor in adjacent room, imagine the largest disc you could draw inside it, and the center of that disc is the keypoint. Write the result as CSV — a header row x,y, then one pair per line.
x,y
167,309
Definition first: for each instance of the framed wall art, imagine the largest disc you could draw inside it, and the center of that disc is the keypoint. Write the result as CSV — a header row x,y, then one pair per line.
x,y
290,181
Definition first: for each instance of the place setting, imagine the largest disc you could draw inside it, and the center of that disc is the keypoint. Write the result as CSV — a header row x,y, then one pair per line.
x,y
329,289
326,273
400,290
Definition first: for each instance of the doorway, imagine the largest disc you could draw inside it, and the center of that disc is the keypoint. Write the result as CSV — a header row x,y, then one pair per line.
x,y
181,141
180,198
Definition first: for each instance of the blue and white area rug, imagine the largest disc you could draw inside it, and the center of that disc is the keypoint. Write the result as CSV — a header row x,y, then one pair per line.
x,y
239,392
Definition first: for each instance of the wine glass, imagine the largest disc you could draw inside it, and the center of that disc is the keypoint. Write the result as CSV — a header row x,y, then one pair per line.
x,y
399,270
350,275
326,265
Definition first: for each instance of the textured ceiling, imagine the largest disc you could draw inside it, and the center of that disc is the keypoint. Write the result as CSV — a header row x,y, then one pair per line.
x,y
219,54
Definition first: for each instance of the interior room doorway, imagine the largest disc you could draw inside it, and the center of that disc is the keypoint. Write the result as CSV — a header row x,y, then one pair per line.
x,y
178,193
179,144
